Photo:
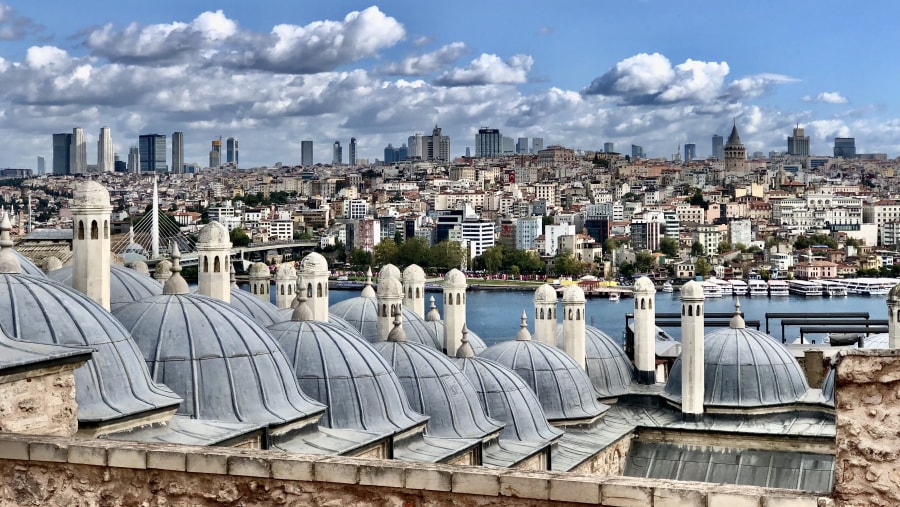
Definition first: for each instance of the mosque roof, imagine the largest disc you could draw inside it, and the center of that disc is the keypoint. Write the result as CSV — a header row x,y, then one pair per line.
x,y
263,312
362,314
606,363
125,284
545,294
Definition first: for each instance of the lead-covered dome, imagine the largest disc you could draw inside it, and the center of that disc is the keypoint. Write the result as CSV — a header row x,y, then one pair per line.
x,y
263,312
125,284
361,313
286,271
692,290
28,267
454,279
573,294
89,193
258,270
214,233
605,362
644,285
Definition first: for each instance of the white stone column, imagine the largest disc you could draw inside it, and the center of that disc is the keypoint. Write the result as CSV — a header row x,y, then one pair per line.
x,y
259,281
454,310
573,323
545,310
285,283
91,213
645,330
312,277
692,354
414,289
214,262
893,304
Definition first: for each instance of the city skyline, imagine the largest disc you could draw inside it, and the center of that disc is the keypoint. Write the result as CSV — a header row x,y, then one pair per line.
x,y
582,76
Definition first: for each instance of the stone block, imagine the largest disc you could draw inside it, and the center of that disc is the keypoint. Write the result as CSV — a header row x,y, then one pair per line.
x,y
87,455
292,470
167,460
523,486
246,466
575,489
13,449
429,479
664,496
48,451
731,499
337,472
790,501
625,495
476,483
127,458
207,463
386,476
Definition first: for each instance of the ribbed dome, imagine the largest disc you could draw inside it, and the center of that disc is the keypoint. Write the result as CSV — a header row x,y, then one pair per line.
x,y
224,364
115,383
347,375
564,389
744,368
258,270
28,267
362,314
90,193
606,363
214,234
413,274
313,262
828,388
545,294
508,399
125,284
435,329
437,388
263,312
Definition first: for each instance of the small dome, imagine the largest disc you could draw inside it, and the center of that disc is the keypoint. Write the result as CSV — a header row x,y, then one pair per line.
x,y
744,368
139,267
894,294
286,271
90,194
348,375
29,268
258,270
389,288
605,361
564,389
828,388
263,312
692,291
224,364
389,271
508,399
545,294
573,294
454,279
437,388
163,267
214,234
125,285
644,285
413,274
313,263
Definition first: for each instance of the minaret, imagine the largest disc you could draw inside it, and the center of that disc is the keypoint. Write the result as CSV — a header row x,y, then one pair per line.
x,y
90,241
312,277
414,289
154,230
163,271
645,331
893,304
454,310
214,260
389,304
573,323
285,282
259,281
692,356
545,314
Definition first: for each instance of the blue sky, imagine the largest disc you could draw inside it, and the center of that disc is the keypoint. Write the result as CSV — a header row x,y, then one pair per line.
x,y
271,73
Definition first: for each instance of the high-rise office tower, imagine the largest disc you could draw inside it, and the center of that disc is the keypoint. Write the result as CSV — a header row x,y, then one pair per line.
x,y
488,142
522,145
845,147
508,145
134,159
177,152
438,148
609,147
690,152
306,153
153,153
231,151
62,154
352,151
798,144
78,153
468,152
537,144
415,144
215,153
105,161
718,147
337,154
41,165
637,151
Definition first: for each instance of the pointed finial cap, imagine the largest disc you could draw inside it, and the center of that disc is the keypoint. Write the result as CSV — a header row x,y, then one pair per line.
x,y
523,335
232,277
465,349
368,291
737,321
302,312
176,283
433,315
397,334
9,263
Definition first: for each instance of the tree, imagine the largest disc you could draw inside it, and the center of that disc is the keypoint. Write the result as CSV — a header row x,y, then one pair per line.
x,y
610,244
413,251
804,242
853,242
385,252
724,246
493,258
668,246
359,259
698,200
701,267
446,255
566,264
239,237
644,262
398,237
697,249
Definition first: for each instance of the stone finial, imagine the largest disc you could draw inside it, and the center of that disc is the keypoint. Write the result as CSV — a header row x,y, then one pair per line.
x,y
52,263
368,291
141,267
465,350
433,315
397,334
302,312
737,321
176,283
232,277
9,263
523,335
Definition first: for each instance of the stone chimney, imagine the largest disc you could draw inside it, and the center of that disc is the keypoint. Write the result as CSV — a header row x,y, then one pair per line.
x,y
414,289
91,212
893,304
545,314
214,262
454,310
645,330
692,356
285,282
573,323
312,277
390,305
259,281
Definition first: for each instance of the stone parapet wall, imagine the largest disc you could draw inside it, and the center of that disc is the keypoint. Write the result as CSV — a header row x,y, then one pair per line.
x,y
40,402
50,471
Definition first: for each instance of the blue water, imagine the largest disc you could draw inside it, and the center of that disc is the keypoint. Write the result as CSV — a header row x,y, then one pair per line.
x,y
495,316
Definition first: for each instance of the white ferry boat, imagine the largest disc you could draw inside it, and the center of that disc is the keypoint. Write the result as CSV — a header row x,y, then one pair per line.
x,y
805,288
832,288
739,287
667,287
758,288
869,286
711,289
724,286
778,288
613,296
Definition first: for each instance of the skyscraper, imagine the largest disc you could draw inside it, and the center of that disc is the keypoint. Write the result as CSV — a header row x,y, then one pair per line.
x,y
105,161
134,159
522,146
62,154
609,147
352,152
845,147
231,151
41,165
488,142
153,153
798,144
637,151
215,153
337,154
438,148
690,152
306,153
415,144
718,147
177,152
78,153
537,144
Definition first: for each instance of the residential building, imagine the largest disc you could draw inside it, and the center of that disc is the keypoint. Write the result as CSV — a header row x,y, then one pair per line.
x,y
815,270
709,236
527,229
306,153
105,154
153,153
178,152
552,234
477,235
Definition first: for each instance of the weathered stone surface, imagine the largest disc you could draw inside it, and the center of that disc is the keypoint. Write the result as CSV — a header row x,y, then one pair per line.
x,y
626,493
575,489
43,404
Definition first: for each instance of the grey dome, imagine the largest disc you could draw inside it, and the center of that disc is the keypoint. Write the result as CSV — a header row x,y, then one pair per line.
x,y
828,388
877,341
332,319
564,389
28,267
744,368
609,369
222,362
436,329
362,314
508,399
345,373
437,388
125,285
115,383
263,312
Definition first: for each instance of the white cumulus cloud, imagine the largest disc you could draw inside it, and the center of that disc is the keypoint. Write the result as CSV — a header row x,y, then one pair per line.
x,y
826,98
420,65
489,69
